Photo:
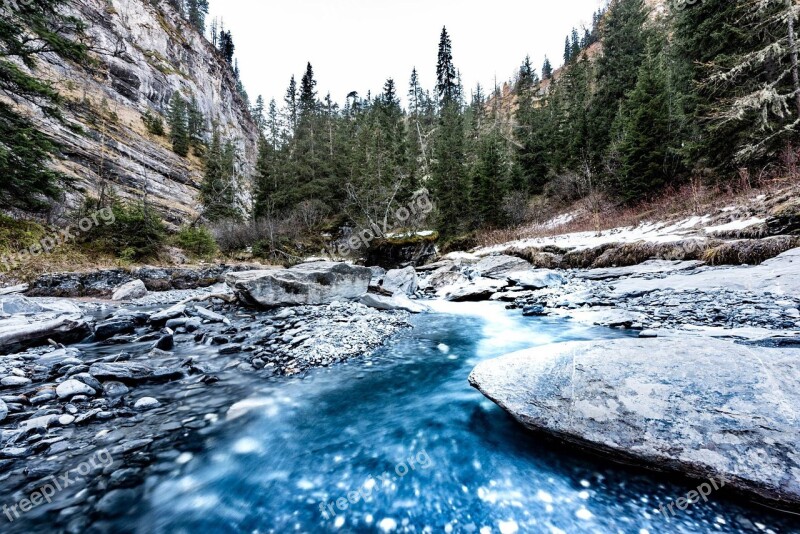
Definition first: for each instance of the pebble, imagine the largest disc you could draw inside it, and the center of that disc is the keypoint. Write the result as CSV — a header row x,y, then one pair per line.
x,y
146,403
15,381
72,387
3,410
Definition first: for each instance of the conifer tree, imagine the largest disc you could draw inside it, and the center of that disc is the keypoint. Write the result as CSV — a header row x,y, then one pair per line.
x,y
179,125
489,180
196,10
290,101
218,189
226,46
547,69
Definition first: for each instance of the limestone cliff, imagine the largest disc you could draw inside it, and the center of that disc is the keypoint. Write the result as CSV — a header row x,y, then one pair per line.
x,y
142,52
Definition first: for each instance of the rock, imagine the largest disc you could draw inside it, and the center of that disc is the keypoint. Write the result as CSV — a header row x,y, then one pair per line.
x,y
11,290
19,305
66,329
66,420
146,403
132,372
15,381
113,327
707,408
399,302
377,275
3,411
166,342
132,290
534,311
440,279
401,281
648,334
115,390
536,279
70,388
481,289
500,266
167,314
311,283
211,316
793,313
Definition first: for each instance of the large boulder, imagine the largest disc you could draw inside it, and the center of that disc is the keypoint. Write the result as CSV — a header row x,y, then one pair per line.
x,y
536,279
307,284
707,408
401,281
500,266
132,290
16,334
399,302
479,290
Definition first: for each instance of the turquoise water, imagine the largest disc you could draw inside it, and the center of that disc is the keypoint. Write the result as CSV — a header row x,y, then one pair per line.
x,y
423,450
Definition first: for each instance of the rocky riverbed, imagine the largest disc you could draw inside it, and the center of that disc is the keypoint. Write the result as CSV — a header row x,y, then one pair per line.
x,y
135,378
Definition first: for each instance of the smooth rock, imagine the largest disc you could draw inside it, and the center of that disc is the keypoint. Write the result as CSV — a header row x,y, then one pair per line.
x,y
536,279
115,390
3,411
500,266
112,327
211,316
132,290
15,381
479,290
170,313
310,283
398,302
401,281
146,403
71,387
700,406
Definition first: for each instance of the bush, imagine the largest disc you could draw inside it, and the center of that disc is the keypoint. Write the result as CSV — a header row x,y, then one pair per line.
x,y
154,124
17,235
136,234
198,242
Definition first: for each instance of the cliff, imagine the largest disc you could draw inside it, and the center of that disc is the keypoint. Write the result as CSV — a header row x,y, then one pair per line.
x,y
141,54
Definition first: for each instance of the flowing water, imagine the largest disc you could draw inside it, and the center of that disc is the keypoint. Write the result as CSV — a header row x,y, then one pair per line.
x,y
425,451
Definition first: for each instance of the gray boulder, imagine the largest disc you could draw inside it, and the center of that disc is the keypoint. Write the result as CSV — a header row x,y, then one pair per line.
x,y
307,284
536,279
3,411
67,328
132,290
70,388
399,302
478,290
707,408
401,281
500,266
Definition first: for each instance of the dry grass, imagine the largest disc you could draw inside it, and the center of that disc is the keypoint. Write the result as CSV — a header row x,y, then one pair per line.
x,y
673,205
750,252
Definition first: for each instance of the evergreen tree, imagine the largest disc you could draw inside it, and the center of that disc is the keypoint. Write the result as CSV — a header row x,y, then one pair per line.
x,y
179,124
567,51
308,93
547,69
196,124
290,100
218,189
28,183
258,115
448,172
196,11
646,130
489,180
226,46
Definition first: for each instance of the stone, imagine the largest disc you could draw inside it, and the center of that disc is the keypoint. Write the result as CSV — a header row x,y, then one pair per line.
x,y
115,390
146,403
377,275
536,279
534,311
479,290
211,316
130,291
131,372
15,381
401,281
700,406
66,328
166,342
3,411
116,502
19,305
500,266
113,327
66,420
380,302
170,313
440,279
70,388
310,284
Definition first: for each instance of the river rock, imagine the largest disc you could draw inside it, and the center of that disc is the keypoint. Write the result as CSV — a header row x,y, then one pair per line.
x,y
132,290
66,328
310,283
146,403
707,408
211,316
112,327
70,388
500,266
479,290
3,411
15,381
401,281
536,279
399,302
131,372
170,313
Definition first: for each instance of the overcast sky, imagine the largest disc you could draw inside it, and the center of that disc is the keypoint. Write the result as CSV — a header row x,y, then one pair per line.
x,y
355,45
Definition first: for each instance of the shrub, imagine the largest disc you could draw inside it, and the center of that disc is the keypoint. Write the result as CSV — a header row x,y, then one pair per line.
x,y
198,242
136,234
154,124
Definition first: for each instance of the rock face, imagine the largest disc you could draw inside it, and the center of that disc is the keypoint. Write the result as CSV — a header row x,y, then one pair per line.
x,y
146,52
718,409
310,283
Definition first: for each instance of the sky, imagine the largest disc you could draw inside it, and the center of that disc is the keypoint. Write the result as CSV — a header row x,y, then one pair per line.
x,y
355,45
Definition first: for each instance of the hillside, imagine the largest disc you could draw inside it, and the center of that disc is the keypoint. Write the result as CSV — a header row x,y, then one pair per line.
x,y
140,55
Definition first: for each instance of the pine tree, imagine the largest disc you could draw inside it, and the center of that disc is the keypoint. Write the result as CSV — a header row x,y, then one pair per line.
x,y
196,124
646,130
308,93
218,189
567,51
448,172
197,11
226,46
547,69
290,100
489,180
179,125
258,115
